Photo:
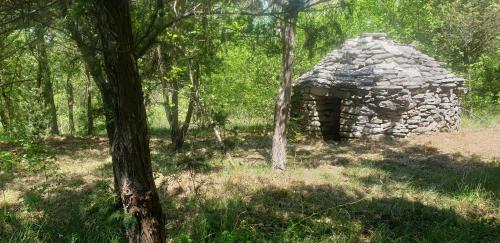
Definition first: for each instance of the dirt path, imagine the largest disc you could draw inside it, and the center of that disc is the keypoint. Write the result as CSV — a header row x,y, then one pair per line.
x,y
483,142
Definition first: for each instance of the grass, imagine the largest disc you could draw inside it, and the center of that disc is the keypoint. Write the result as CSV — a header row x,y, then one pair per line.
x,y
389,191
481,120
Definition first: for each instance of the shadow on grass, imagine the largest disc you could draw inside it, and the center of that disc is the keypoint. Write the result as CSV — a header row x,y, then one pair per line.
x,y
195,157
324,214
425,168
71,212
79,212
421,166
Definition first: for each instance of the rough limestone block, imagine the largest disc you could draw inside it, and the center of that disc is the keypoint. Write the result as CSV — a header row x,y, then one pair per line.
x,y
376,120
389,105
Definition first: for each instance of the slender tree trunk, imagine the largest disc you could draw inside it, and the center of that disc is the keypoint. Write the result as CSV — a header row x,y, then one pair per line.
x,y
470,97
44,79
278,154
4,121
195,82
219,138
9,108
174,123
130,148
94,67
178,132
90,115
164,85
4,111
71,102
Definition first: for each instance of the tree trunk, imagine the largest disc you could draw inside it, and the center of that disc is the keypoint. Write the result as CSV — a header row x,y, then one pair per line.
x,y
44,80
177,132
218,137
130,146
4,121
90,115
466,62
4,111
278,154
174,123
164,84
93,65
71,102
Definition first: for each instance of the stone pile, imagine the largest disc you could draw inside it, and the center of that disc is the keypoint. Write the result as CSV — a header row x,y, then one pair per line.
x,y
383,88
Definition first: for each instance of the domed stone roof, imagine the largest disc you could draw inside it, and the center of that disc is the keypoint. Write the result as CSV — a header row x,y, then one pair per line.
x,y
373,61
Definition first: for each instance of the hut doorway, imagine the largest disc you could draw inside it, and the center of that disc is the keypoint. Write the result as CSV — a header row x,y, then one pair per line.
x,y
329,117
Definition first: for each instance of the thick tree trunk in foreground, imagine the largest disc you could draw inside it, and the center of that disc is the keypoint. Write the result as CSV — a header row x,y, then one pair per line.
x,y
130,146
278,154
90,115
44,80
71,102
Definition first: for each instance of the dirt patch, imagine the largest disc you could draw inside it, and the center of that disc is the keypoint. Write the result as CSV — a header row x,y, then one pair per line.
x,y
483,142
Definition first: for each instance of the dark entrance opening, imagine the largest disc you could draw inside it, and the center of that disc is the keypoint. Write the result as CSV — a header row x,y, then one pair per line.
x,y
329,117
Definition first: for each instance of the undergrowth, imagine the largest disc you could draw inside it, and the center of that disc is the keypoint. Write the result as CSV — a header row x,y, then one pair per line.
x,y
340,192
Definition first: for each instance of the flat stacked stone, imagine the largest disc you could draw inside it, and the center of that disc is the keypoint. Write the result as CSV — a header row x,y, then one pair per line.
x,y
386,89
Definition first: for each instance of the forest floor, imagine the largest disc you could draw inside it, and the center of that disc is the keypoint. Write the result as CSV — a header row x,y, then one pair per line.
x,y
433,188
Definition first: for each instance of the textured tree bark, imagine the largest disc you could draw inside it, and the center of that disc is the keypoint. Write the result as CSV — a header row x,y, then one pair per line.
x,y
278,153
71,102
90,115
130,146
44,80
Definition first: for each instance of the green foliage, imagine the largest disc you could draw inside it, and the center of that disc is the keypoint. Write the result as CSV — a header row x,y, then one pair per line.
x,y
8,161
485,82
464,34
245,84
28,158
129,221
239,57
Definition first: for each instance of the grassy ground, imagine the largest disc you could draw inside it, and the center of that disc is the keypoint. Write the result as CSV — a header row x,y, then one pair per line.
x,y
439,188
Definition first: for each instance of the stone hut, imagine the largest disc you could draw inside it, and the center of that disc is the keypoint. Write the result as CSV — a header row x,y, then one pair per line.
x,y
373,87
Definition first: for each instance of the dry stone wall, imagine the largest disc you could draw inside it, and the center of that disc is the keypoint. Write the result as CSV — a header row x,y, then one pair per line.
x,y
386,89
